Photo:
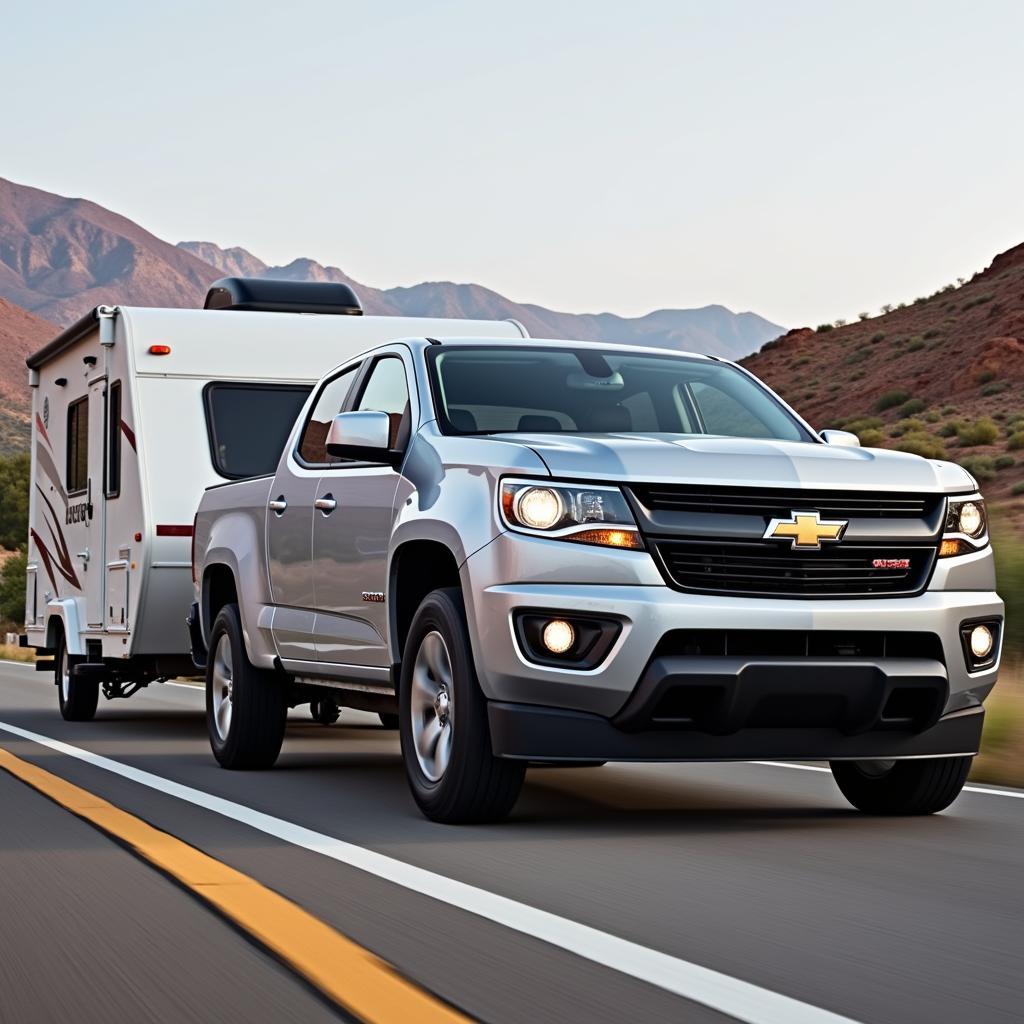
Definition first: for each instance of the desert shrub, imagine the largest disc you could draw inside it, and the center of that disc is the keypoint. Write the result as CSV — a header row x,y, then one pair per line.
x,y
1016,441
857,356
914,405
950,428
1004,461
887,308
12,589
981,431
876,338
1017,488
932,332
822,328
840,322
932,416
870,437
858,375
920,443
802,361
995,388
864,316
915,345
835,387
891,399
980,467
14,488
858,423
981,299
948,410
985,376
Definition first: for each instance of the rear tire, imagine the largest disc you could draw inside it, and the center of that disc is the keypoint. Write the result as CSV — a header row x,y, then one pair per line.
x,y
898,788
77,698
246,708
446,739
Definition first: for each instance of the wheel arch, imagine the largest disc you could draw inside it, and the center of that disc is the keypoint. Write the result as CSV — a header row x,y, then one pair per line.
x,y
418,566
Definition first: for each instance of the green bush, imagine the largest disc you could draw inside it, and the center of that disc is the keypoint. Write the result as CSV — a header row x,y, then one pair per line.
x,y
1018,488
876,338
822,328
932,416
919,443
916,344
870,437
857,356
913,406
995,388
932,332
859,423
14,486
1016,441
951,428
985,376
948,410
891,399
981,431
12,589
980,467
1004,461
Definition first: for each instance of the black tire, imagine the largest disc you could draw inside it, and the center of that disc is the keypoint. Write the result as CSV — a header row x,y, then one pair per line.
x,y
251,734
77,698
325,710
475,786
922,786
387,720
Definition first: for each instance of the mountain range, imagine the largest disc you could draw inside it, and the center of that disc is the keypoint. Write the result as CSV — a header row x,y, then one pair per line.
x,y
59,257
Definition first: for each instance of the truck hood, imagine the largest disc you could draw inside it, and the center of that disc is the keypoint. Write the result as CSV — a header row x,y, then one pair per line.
x,y
674,458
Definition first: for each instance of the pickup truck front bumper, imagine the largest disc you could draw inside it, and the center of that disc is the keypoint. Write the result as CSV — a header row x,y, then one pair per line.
x,y
534,733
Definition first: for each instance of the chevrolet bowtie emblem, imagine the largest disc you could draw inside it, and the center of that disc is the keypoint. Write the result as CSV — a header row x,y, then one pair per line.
x,y
806,530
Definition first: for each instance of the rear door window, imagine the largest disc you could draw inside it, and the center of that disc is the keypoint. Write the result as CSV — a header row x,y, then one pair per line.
x,y
249,424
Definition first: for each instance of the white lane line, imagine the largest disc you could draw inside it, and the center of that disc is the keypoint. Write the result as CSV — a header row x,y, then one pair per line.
x,y
1016,794
739,999
20,664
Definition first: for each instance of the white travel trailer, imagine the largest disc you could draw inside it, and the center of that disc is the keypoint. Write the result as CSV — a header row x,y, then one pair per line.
x,y
135,412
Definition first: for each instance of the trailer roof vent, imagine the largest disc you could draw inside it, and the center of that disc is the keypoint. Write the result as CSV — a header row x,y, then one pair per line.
x,y
274,296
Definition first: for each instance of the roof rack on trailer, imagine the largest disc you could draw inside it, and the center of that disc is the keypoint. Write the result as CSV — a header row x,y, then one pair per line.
x,y
270,295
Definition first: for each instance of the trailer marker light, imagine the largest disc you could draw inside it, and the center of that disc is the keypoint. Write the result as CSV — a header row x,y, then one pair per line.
x,y
138,537
159,350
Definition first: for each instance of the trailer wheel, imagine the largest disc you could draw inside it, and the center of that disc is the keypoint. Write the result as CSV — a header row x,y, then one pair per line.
x,y
77,698
246,707
325,710
446,740
897,788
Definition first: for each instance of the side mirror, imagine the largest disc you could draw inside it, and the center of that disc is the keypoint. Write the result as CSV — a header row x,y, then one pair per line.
x,y
840,438
363,436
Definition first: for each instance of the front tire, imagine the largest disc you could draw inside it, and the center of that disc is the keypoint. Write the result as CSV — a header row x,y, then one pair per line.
x,y
897,788
446,739
77,698
246,708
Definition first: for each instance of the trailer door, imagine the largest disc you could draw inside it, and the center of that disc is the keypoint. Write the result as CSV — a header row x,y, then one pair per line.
x,y
95,563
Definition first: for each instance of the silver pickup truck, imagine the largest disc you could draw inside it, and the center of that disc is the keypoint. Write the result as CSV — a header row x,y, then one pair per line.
x,y
554,551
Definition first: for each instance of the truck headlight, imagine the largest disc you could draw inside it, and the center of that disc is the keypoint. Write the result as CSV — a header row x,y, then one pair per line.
x,y
584,515
966,527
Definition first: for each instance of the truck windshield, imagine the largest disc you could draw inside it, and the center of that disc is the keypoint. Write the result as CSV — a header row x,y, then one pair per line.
x,y
248,425
500,390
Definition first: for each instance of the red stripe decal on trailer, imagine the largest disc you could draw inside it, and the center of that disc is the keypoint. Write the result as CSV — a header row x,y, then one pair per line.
x,y
129,434
42,430
163,530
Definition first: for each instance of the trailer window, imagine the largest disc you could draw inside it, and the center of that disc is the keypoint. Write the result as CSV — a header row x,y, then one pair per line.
x,y
78,446
113,486
248,425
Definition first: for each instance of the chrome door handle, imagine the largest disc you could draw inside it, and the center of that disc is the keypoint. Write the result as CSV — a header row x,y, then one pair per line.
x,y
326,504
84,555
277,505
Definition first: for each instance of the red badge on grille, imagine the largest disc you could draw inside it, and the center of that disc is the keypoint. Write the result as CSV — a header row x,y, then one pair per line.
x,y
891,563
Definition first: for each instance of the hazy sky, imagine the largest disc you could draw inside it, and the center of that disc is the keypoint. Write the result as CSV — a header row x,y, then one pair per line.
x,y
805,160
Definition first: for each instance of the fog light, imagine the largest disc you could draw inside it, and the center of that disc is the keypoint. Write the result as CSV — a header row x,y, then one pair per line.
x,y
558,636
981,642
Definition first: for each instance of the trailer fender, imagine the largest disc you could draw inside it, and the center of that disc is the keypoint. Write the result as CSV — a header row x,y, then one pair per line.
x,y
64,612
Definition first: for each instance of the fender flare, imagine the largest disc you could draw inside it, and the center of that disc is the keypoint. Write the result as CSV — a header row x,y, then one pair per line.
x,y
65,611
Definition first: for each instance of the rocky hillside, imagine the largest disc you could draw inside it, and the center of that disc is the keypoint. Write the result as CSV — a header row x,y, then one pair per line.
x,y
942,376
20,334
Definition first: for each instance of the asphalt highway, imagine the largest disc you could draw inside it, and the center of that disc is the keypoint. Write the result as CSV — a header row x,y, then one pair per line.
x,y
622,893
